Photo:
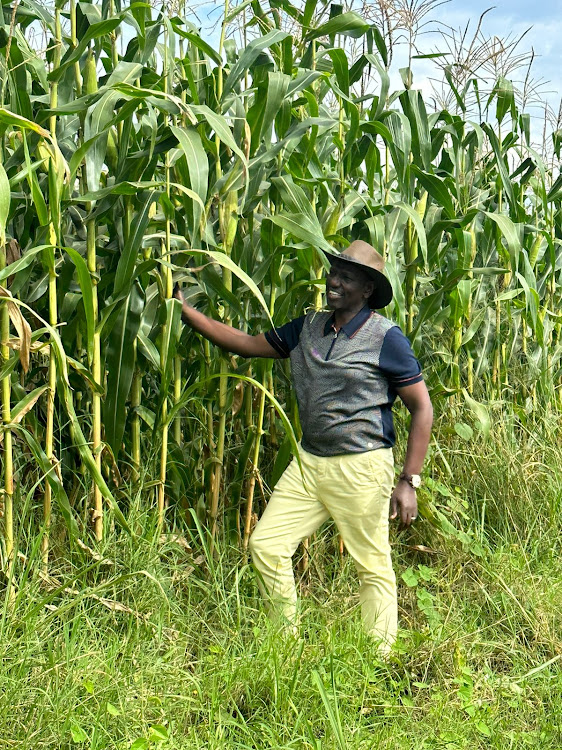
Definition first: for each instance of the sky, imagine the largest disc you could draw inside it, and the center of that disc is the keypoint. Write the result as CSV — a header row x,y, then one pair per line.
x,y
541,19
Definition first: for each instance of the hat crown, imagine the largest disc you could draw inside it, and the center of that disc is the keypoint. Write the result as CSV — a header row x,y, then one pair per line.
x,y
363,253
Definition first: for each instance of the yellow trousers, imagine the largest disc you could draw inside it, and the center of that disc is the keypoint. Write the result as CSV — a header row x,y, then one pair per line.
x,y
354,490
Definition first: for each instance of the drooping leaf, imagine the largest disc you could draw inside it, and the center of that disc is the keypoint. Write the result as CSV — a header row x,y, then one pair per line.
x,y
249,55
120,364
133,245
351,24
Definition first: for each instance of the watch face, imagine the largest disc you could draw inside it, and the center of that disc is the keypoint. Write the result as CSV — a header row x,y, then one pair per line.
x,y
416,481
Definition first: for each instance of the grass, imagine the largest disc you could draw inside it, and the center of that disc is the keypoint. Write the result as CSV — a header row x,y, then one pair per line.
x,y
161,646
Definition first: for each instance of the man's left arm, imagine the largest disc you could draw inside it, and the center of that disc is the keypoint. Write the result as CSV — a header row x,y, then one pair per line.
x,y
403,501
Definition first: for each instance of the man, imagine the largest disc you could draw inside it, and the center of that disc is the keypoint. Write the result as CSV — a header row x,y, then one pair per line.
x,y
347,367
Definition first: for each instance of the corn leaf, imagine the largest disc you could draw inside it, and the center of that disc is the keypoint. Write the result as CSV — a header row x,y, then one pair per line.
x,y
120,365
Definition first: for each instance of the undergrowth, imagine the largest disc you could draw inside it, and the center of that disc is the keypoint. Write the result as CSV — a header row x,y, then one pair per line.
x,y
156,642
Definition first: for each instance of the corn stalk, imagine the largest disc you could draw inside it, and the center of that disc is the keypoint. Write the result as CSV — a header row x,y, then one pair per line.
x,y
52,287
7,503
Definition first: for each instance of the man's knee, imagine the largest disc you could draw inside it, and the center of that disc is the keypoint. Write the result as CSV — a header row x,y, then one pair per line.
x,y
255,545
267,551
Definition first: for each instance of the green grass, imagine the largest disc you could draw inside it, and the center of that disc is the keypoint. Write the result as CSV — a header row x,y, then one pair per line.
x,y
167,648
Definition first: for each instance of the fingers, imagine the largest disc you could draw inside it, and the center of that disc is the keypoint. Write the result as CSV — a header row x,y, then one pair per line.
x,y
407,517
177,293
404,507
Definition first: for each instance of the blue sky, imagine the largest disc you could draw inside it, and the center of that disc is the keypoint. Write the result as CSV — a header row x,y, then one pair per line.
x,y
543,17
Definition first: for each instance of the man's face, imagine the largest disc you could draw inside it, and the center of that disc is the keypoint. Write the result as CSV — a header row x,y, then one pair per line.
x,y
347,288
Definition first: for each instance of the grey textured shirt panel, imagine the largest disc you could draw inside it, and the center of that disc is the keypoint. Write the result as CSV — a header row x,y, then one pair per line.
x,y
346,382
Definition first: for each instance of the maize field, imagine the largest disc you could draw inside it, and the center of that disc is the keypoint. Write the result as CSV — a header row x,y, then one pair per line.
x,y
136,154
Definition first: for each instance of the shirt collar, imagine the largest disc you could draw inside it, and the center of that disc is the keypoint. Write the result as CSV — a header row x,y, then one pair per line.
x,y
352,326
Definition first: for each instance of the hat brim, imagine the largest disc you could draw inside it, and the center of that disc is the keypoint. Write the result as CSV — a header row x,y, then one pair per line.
x,y
382,296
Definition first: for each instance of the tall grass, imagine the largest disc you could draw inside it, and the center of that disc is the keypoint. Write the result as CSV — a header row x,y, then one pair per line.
x,y
162,643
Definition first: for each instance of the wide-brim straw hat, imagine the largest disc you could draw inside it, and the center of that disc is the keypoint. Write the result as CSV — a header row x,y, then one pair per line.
x,y
362,255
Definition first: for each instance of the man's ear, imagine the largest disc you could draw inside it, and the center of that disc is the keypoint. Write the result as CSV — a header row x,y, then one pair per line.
x,y
369,288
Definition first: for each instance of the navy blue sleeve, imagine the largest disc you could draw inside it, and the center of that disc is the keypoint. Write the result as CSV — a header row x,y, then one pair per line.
x,y
397,360
284,339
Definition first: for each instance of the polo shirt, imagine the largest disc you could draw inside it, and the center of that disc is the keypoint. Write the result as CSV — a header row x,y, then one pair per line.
x,y
346,381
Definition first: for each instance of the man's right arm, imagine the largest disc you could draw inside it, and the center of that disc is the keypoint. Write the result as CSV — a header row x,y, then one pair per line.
x,y
227,338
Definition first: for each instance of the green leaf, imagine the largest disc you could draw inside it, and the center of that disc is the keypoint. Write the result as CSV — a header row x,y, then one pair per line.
x,y
7,369
65,392
331,708
410,578
300,227
511,234
464,431
220,126
248,57
418,225
77,733
124,72
459,99
414,109
11,118
168,343
309,8
341,68
50,473
191,390
36,194
385,85
22,407
77,158
5,200
474,326
112,710
379,43
532,300
501,164
120,365
291,138
158,733
226,262
95,131
351,24
149,350
99,118
303,79
483,728
277,87
198,166
86,374
94,31
484,422
505,98
237,10
86,287
196,40
295,200
556,189
437,189
128,258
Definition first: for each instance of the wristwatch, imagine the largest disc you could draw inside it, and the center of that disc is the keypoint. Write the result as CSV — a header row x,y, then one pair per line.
x,y
414,480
